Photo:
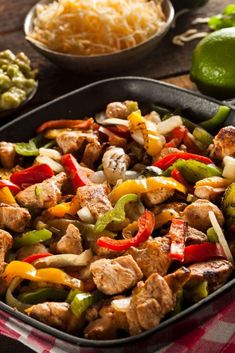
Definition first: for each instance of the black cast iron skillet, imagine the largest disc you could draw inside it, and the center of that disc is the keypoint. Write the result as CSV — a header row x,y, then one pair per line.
x,y
87,101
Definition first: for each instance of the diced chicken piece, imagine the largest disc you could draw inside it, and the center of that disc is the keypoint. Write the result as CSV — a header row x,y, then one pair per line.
x,y
224,143
7,154
57,315
105,321
14,217
208,192
150,302
113,276
94,197
158,196
176,206
43,195
116,110
152,256
196,214
29,250
168,150
215,272
115,163
6,242
72,141
92,153
194,236
71,242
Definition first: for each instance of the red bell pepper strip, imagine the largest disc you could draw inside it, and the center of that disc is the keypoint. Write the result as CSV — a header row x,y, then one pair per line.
x,y
77,175
146,224
35,257
177,175
13,187
176,136
203,252
60,124
167,161
177,234
32,175
120,130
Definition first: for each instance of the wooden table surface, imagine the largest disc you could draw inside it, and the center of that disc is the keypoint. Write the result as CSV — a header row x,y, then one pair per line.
x,y
168,62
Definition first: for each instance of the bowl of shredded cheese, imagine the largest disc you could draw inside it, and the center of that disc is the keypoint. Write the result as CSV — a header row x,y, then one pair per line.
x,y
97,36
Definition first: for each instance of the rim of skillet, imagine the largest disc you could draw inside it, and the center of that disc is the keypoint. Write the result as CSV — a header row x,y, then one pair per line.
x,y
115,342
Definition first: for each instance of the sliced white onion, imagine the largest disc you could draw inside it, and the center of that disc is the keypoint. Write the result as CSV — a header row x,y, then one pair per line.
x,y
11,300
229,168
166,126
55,166
131,174
98,177
154,117
138,137
49,152
220,234
85,215
115,121
121,304
64,260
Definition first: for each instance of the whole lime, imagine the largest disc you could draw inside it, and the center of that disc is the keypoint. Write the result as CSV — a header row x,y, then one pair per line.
x,y
213,64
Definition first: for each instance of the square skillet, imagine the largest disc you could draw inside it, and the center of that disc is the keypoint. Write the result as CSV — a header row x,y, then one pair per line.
x,y
87,101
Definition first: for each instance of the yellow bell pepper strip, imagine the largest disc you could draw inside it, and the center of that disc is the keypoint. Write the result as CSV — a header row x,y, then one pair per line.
x,y
60,210
6,196
152,139
139,186
53,275
32,237
117,214
214,181
146,224
164,217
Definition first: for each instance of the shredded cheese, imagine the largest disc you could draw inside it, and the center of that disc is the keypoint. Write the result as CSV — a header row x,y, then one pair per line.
x,y
92,27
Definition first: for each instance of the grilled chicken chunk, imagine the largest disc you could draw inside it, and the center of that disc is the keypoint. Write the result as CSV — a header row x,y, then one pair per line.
x,y
156,197
94,197
215,272
29,250
152,256
7,154
105,321
14,217
196,214
43,195
117,110
152,300
194,236
6,242
113,276
72,141
224,143
57,315
71,242
91,153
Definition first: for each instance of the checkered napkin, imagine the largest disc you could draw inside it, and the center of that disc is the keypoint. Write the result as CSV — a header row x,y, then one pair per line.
x,y
216,335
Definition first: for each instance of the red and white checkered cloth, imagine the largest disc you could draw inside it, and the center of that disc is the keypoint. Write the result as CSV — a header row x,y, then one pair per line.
x,y
216,335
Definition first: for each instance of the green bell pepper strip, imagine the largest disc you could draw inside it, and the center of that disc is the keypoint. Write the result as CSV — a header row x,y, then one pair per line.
x,y
117,214
196,293
228,204
212,236
179,303
80,301
193,170
217,120
27,148
43,294
202,136
32,237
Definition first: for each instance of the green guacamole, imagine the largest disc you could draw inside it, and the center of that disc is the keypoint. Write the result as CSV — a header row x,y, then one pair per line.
x,y
17,79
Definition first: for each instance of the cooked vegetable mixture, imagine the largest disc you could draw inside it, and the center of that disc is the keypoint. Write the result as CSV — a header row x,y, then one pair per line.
x,y
111,224
17,79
